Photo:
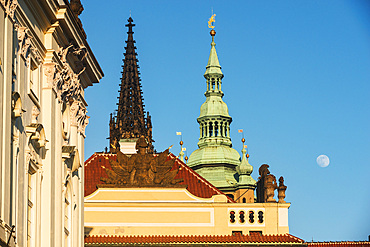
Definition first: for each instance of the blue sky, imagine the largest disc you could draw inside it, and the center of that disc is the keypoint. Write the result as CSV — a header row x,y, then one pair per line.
x,y
297,80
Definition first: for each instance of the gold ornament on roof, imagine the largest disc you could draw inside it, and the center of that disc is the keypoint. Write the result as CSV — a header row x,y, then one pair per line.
x,y
211,21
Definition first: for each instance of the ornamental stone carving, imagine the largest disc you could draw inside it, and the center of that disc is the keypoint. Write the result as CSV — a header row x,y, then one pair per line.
x,y
17,110
281,190
24,42
78,116
266,185
9,6
50,71
66,83
35,114
142,169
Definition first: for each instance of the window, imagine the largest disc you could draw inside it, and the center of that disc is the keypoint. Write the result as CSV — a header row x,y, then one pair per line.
x,y
34,80
210,130
216,129
255,232
237,233
230,196
31,205
67,218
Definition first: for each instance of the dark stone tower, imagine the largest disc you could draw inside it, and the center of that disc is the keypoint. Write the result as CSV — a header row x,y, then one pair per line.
x,y
130,121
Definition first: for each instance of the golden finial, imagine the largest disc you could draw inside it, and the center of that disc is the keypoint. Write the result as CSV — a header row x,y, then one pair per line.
x,y
211,21
181,142
186,158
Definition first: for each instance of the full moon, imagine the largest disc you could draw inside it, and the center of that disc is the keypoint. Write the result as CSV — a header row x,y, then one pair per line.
x,y
323,160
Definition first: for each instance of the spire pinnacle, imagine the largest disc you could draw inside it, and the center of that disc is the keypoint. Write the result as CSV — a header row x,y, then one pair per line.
x,y
131,121
213,66
130,25
244,169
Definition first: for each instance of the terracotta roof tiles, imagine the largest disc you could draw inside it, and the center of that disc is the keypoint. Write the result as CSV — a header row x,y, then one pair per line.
x,y
238,238
340,244
95,169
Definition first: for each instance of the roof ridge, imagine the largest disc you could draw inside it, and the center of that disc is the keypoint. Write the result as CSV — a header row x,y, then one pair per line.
x,y
92,157
189,238
211,186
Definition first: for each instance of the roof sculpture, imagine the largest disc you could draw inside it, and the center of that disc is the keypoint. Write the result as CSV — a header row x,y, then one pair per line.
x,y
142,169
98,164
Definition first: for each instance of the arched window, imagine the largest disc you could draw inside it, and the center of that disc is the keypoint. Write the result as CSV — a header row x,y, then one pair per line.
x,y
216,129
244,200
210,130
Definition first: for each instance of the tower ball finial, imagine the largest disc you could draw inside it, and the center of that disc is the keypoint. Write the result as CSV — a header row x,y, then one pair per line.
x,y
181,143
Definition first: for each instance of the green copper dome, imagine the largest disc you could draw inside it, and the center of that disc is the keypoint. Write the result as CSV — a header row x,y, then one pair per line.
x,y
214,106
215,159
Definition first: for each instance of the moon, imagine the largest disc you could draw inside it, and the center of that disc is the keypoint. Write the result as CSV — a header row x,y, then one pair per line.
x,y
323,160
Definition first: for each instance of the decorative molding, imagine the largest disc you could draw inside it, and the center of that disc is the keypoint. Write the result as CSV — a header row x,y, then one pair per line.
x,y
35,114
17,110
65,81
9,6
66,84
50,71
24,42
78,116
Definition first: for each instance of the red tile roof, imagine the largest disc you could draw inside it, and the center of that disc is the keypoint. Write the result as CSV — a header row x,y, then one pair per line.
x,y
226,239
340,244
197,185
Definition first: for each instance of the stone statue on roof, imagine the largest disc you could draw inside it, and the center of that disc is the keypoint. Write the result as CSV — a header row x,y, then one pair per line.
x,y
142,169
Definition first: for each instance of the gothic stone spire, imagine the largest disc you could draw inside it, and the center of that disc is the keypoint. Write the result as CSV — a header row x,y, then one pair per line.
x,y
130,121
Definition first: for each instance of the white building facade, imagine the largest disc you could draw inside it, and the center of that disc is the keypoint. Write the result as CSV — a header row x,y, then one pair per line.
x,y
45,66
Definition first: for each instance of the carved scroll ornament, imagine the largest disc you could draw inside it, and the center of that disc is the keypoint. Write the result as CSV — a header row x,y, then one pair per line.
x,y
25,44
78,116
9,6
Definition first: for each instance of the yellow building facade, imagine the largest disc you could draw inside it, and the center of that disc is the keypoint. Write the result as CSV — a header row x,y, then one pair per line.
x,y
45,66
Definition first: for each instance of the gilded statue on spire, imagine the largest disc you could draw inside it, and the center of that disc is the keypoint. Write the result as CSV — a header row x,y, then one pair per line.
x,y
211,21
